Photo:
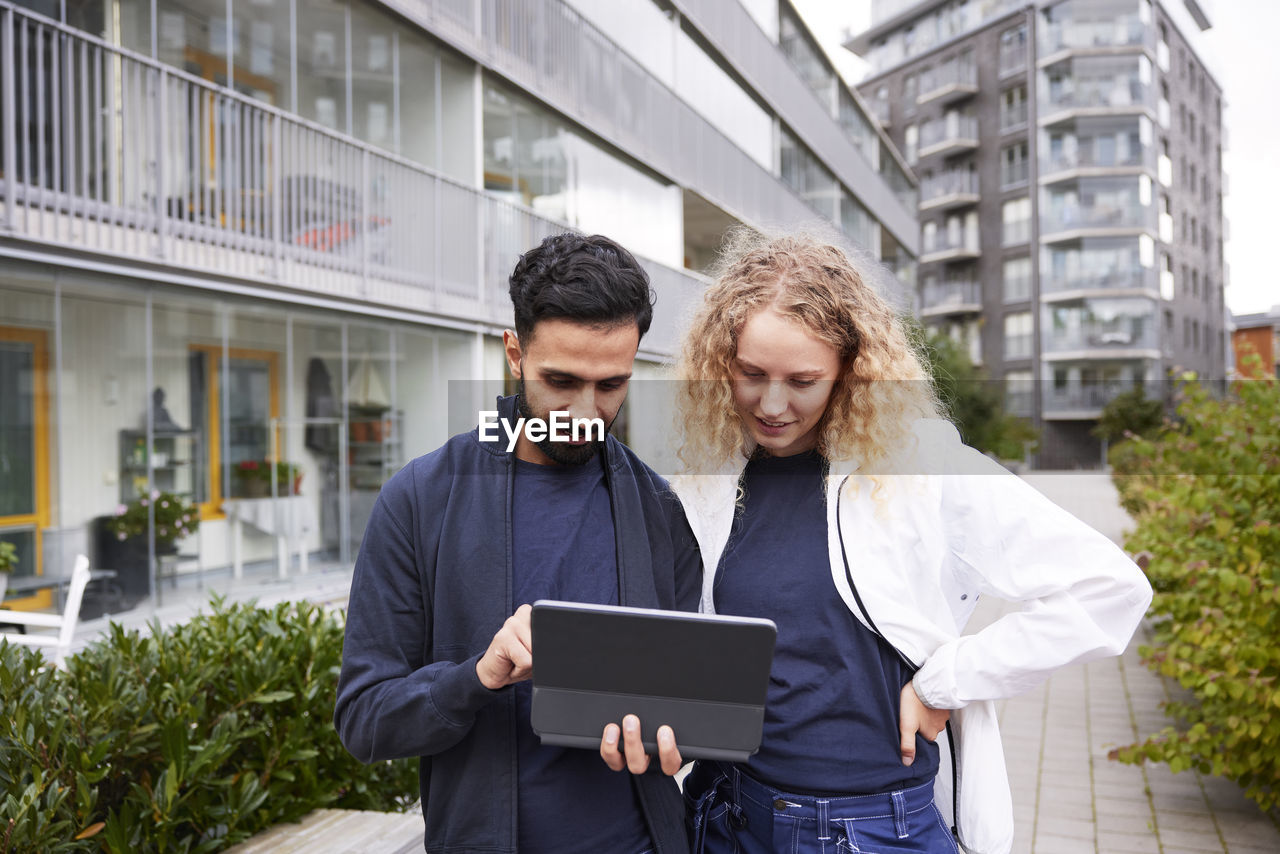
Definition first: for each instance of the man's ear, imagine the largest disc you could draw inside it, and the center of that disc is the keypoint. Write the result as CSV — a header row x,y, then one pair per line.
x,y
511,348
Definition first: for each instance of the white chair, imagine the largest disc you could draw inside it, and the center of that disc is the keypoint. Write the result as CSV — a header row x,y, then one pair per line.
x,y
64,623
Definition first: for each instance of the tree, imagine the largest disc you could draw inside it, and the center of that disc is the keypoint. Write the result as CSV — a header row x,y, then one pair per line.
x,y
1130,413
974,402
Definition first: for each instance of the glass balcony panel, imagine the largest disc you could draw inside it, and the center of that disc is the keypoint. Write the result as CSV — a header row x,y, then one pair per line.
x,y
1103,202
1121,31
1098,143
952,128
952,294
959,73
1100,324
1097,81
1095,264
959,182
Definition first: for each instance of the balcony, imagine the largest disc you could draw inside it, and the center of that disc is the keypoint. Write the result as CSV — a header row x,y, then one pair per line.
x,y
949,136
1080,401
1097,160
953,297
185,178
1014,173
1064,222
1073,285
948,82
1012,117
954,247
954,189
1102,340
1120,95
1124,32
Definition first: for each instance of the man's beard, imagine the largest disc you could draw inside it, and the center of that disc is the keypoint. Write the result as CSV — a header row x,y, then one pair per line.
x,y
558,452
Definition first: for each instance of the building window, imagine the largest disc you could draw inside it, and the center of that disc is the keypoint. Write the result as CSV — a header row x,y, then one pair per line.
x,y
1013,108
1017,335
1013,164
1166,276
911,143
1195,283
1019,388
1013,49
1017,279
1016,218
910,91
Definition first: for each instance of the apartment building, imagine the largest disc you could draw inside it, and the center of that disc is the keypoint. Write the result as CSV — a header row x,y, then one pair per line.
x,y
1070,164
241,233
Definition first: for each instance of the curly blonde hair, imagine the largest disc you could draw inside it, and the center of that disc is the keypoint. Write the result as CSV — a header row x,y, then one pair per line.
x,y
882,387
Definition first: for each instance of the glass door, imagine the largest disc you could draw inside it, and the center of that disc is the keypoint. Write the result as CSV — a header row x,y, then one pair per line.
x,y
24,451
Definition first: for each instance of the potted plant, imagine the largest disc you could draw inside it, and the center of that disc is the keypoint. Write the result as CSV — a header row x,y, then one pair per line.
x,y
8,560
175,518
254,477
122,536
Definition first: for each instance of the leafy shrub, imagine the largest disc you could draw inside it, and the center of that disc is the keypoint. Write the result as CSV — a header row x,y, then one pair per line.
x,y
1130,413
187,740
1207,502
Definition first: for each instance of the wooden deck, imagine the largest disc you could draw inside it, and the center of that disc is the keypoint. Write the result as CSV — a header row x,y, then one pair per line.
x,y
341,832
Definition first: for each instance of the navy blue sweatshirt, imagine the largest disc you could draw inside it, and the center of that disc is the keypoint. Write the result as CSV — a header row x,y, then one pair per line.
x,y
433,584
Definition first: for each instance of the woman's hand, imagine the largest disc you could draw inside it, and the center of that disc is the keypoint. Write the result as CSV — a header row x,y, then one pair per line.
x,y
915,717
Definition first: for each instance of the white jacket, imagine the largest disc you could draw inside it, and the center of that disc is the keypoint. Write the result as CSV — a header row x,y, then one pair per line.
x,y
947,525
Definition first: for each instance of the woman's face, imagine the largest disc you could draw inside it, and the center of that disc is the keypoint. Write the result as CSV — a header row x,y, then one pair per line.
x,y
782,380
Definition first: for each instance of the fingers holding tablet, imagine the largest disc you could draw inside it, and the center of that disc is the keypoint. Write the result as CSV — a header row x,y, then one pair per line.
x,y
623,748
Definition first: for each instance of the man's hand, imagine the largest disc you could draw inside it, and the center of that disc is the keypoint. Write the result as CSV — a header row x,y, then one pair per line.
x,y
509,658
916,717
635,759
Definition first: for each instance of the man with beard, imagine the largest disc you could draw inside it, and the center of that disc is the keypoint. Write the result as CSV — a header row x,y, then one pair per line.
x,y
461,542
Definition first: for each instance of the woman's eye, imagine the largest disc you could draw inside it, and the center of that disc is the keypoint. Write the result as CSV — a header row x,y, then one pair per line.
x,y
804,383
752,375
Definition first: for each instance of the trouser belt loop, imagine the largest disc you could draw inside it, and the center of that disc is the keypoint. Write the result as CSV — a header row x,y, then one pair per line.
x,y
701,811
824,823
900,814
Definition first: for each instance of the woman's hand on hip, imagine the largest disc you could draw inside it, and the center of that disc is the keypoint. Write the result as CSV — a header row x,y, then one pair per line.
x,y
915,717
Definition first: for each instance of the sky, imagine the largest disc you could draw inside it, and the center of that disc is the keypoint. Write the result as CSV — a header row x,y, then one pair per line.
x,y
1243,31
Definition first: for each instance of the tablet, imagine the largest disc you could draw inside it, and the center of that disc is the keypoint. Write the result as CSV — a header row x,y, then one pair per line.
x,y
704,675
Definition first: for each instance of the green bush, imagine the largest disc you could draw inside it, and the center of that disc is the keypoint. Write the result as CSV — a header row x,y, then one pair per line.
x,y
1206,498
186,740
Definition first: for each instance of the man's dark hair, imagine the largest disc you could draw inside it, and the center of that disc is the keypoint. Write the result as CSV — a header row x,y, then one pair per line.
x,y
583,279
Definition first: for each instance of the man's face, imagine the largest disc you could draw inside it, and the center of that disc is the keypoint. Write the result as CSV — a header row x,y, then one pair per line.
x,y
579,368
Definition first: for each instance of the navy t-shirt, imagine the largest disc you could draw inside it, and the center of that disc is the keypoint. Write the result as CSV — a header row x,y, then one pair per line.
x,y
563,548
831,719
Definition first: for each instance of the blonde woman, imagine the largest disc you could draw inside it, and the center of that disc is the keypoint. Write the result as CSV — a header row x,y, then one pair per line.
x,y
827,494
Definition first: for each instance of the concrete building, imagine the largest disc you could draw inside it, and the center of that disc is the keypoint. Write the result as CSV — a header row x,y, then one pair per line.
x,y
235,233
1070,164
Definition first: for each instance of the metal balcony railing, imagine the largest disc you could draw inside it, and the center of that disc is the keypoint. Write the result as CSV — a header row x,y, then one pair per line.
x,y
109,152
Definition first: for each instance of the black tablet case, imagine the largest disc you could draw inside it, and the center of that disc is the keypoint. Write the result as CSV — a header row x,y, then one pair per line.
x,y
706,676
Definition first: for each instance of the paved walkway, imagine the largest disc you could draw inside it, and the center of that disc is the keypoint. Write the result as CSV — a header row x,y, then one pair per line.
x,y
1068,797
